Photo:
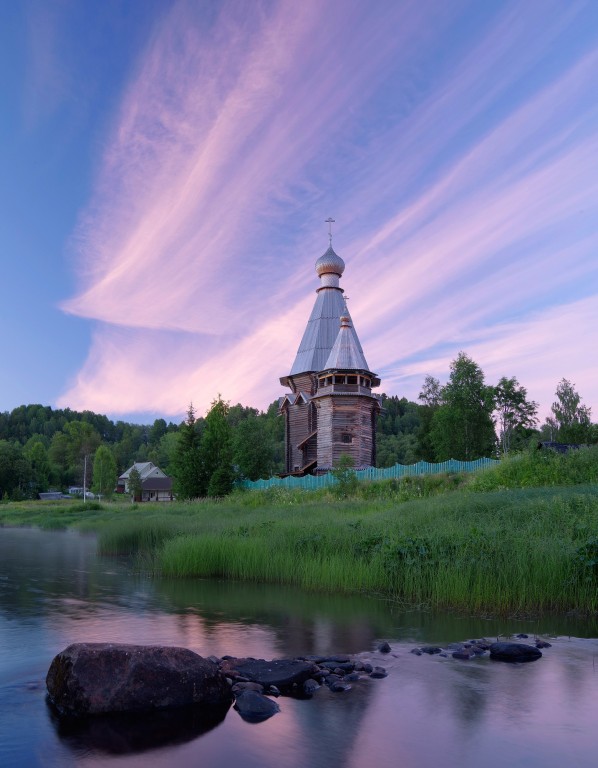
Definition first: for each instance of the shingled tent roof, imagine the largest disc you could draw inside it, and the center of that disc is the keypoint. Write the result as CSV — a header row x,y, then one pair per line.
x,y
322,327
346,354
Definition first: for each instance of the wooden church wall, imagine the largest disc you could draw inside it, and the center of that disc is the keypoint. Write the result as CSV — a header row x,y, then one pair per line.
x,y
340,418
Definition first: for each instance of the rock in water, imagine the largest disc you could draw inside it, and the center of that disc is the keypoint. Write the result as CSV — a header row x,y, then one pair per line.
x,y
514,652
283,673
310,687
89,678
255,707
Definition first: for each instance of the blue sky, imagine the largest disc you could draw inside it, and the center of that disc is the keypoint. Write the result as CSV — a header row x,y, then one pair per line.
x,y
168,167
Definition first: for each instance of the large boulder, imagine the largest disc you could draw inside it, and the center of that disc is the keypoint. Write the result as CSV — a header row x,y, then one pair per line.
x,y
89,678
514,652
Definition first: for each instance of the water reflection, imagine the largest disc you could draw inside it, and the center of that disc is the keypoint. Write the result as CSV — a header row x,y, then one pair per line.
x,y
430,710
130,734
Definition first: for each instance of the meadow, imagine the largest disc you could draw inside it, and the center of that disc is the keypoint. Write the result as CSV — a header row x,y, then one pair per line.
x,y
519,538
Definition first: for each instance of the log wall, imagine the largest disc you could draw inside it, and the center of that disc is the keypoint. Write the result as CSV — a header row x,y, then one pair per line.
x,y
300,423
346,425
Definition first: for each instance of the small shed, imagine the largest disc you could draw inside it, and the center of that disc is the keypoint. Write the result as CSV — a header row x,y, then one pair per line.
x,y
558,447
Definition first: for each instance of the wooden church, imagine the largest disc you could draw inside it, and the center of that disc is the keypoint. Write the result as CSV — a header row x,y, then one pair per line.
x,y
331,410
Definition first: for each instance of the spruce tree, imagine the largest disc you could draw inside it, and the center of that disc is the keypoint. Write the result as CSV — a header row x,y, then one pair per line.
x,y
189,478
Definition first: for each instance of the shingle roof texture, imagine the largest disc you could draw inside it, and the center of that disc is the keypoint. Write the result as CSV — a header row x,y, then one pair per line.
x,y
346,354
157,484
321,333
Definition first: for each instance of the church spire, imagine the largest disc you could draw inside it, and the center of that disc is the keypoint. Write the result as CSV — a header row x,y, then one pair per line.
x,y
322,327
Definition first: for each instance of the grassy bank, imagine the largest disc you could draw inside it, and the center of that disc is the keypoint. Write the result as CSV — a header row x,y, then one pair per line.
x,y
520,537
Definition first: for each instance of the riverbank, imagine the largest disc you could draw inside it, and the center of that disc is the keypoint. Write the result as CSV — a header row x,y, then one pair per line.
x,y
489,543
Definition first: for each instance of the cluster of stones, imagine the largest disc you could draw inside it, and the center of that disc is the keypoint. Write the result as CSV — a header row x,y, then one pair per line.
x,y
498,651
93,678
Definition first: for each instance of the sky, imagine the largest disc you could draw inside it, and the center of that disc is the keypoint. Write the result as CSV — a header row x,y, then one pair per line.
x,y
168,167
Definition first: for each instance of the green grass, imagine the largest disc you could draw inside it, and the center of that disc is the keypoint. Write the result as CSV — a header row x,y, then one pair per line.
x,y
510,551
518,538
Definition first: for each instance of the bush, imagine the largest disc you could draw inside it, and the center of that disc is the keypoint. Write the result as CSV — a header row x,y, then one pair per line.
x,y
347,483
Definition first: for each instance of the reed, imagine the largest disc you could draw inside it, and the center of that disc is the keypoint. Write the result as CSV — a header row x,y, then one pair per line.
x,y
521,537
528,550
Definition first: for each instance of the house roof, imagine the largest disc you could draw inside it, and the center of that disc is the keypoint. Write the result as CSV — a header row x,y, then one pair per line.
x,y
144,468
157,484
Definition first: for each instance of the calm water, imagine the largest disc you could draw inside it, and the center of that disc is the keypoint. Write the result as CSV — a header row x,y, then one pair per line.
x,y
429,711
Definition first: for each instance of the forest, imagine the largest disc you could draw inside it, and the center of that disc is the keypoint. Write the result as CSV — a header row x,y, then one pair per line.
x,y
42,448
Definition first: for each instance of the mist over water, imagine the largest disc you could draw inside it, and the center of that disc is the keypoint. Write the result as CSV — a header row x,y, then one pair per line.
x,y
55,590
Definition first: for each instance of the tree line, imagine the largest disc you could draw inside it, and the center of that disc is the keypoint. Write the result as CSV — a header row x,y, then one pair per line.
x,y
464,418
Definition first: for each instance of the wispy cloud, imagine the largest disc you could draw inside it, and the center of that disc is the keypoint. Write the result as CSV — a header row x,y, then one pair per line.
x,y
463,177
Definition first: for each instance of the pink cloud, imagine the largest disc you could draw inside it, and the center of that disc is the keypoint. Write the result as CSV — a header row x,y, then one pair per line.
x,y
227,132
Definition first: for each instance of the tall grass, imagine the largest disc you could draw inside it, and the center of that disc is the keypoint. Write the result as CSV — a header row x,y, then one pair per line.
x,y
130,536
539,468
516,551
520,537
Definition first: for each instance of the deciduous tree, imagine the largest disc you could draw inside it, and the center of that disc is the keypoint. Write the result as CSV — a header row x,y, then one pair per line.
x,y
105,474
430,398
570,422
216,450
253,448
462,426
516,415
40,466
15,472
135,485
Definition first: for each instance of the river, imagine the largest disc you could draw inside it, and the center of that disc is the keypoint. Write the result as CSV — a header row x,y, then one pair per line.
x,y
429,711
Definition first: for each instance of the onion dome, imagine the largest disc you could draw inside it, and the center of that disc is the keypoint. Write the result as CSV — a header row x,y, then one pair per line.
x,y
330,263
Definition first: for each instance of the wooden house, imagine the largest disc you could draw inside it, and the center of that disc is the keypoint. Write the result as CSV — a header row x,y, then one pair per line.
x,y
155,484
331,409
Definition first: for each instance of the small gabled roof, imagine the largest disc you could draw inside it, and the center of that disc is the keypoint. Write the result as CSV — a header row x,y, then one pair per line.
x,y
293,399
145,468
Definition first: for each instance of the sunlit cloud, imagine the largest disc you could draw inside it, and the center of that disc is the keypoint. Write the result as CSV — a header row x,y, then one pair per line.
x,y
537,351
466,196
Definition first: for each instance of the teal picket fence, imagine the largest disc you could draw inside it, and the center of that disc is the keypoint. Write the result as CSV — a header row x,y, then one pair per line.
x,y
310,482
